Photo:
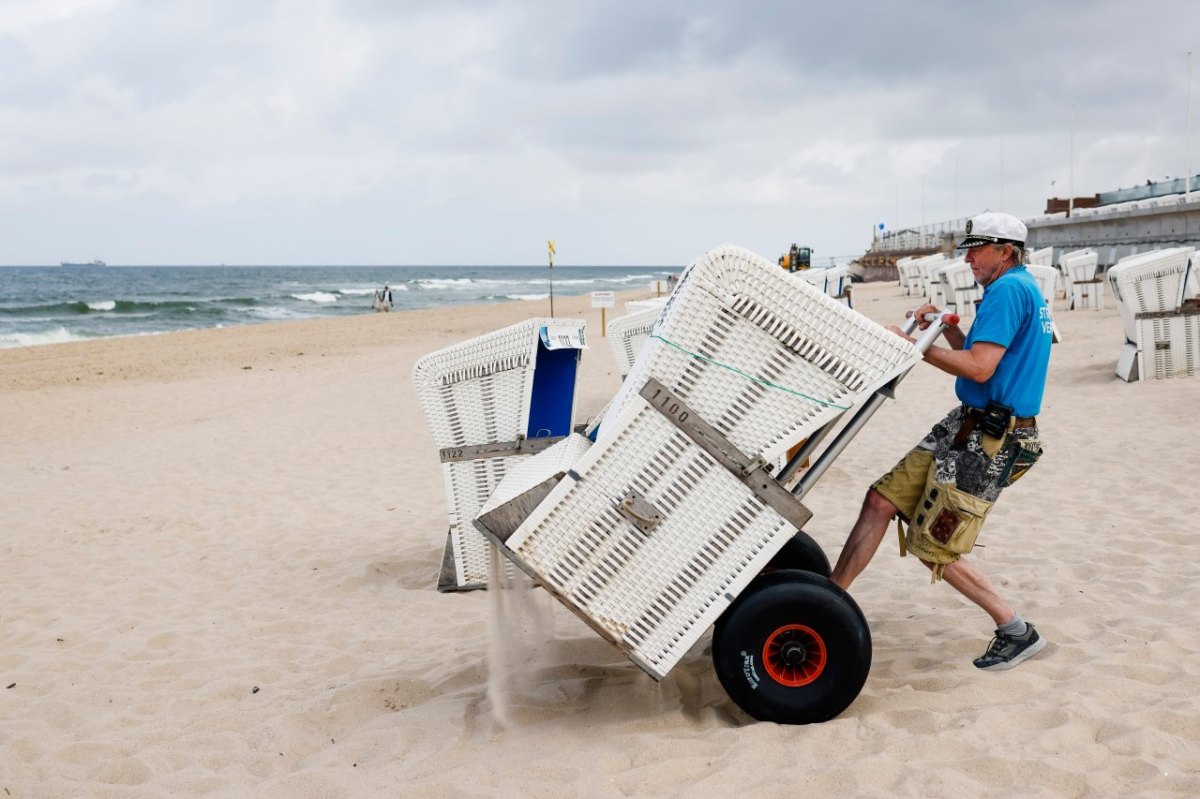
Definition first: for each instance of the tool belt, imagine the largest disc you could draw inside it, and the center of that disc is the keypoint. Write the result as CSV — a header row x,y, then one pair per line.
x,y
995,422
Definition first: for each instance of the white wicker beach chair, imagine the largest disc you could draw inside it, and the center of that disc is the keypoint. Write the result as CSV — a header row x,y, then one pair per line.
x,y
1080,265
914,278
491,401
902,274
1047,279
1042,257
652,531
932,268
1152,282
634,306
916,275
959,288
626,335
839,284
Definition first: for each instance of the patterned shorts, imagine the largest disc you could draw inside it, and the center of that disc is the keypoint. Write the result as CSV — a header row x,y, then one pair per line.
x,y
967,467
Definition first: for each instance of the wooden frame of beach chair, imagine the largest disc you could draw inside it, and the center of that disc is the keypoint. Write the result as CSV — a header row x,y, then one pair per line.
x,y
1150,282
489,402
654,529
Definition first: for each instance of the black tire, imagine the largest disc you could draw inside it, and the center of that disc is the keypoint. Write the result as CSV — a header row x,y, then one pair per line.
x,y
800,552
793,649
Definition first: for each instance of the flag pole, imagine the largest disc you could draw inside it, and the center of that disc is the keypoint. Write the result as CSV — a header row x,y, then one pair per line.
x,y
550,247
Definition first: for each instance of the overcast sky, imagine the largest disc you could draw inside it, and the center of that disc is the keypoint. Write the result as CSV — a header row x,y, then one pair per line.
x,y
631,132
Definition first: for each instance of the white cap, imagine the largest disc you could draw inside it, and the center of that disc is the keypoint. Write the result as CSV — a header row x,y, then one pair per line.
x,y
994,228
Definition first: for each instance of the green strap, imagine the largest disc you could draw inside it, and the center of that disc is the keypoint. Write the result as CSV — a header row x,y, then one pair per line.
x,y
750,377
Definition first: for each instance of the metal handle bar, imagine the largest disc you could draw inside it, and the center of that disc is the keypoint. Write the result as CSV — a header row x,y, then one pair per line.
x,y
937,323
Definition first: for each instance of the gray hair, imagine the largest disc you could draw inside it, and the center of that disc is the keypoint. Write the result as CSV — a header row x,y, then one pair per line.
x,y
1018,251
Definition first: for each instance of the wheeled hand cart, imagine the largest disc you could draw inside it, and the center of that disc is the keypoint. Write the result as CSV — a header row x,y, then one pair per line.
x,y
668,520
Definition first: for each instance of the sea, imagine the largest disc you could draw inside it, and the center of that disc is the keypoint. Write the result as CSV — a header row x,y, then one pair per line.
x,y
45,305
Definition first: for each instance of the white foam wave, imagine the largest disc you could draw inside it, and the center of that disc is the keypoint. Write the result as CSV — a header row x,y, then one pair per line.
x,y
525,296
445,283
272,312
356,292
106,305
316,296
58,335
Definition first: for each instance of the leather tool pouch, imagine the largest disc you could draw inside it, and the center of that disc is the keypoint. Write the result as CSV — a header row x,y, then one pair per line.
x,y
1025,455
948,520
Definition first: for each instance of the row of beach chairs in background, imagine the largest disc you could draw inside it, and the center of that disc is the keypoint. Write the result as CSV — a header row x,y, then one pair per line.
x,y
834,282
1155,293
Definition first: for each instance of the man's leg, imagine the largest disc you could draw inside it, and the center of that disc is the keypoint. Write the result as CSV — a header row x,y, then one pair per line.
x,y
970,581
863,542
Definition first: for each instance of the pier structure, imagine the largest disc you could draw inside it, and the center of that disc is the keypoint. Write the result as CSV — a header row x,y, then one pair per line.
x,y
1124,222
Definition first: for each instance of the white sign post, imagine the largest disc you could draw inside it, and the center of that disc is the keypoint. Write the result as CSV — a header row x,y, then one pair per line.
x,y
604,300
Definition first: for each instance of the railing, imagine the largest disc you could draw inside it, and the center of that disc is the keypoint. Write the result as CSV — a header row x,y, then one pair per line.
x,y
926,237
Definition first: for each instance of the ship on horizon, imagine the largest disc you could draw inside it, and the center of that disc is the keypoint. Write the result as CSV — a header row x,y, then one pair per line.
x,y
95,262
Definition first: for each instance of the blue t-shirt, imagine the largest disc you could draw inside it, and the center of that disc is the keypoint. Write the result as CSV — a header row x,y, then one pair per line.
x,y
1013,315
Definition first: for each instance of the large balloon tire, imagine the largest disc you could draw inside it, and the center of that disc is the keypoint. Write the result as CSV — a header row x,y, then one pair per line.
x,y
794,649
801,552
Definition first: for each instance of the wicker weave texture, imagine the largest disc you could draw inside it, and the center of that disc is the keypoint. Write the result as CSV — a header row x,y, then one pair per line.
x,y
478,392
752,324
1169,346
654,593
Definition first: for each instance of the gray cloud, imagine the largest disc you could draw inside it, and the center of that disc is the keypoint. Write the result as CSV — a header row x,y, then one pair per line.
x,y
375,132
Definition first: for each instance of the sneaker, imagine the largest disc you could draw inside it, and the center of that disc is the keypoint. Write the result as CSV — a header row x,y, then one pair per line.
x,y
1006,651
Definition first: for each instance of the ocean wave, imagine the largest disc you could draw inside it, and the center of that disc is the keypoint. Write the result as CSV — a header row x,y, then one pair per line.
x,y
355,292
115,306
523,296
445,283
271,313
316,296
58,335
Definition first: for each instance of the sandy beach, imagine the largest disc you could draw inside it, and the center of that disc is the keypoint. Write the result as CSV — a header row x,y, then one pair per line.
x,y
218,552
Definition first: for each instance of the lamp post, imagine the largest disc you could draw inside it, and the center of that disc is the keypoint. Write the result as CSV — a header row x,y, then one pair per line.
x,y
1071,168
550,247
1187,144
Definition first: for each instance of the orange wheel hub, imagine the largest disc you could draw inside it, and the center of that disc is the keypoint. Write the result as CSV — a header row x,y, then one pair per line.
x,y
794,655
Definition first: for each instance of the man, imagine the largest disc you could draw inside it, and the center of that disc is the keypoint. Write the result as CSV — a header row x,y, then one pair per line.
x,y
944,487
386,299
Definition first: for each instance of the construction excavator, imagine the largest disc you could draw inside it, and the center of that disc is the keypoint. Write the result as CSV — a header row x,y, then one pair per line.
x,y
796,258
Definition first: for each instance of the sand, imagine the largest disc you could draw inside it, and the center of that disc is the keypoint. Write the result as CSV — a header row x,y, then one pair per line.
x,y
218,552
